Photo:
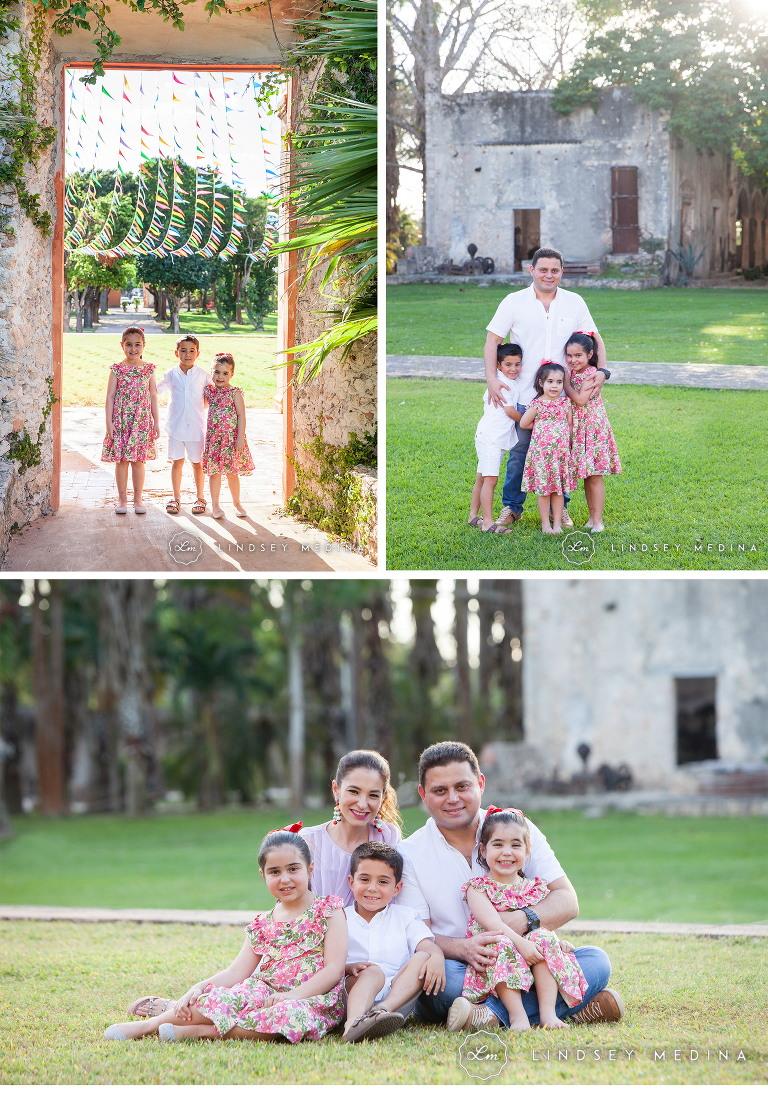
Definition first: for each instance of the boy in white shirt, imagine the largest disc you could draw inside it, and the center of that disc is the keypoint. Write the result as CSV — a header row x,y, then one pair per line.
x,y
392,954
495,435
185,424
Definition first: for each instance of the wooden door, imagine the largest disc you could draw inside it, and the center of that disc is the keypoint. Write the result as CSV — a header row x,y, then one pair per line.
x,y
624,214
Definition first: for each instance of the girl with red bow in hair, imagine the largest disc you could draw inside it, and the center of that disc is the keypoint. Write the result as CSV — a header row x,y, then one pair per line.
x,y
594,449
539,958
288,978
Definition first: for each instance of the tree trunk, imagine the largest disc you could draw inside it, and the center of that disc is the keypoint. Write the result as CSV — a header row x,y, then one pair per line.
x,y
489,605
6,831
175,303
48,683
392,169
379,704
349,679
292,630
238,301
103,301
463,679
425,659
511,659
212,782
10,732
127,604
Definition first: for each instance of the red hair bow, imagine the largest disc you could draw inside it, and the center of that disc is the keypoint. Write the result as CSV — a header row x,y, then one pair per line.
x,y
591,333
503,809
295,827
546,361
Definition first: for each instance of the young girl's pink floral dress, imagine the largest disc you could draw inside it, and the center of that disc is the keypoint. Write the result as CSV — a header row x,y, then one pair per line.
x,y
510,967
548,465
220,456
132,422
291,953
594,449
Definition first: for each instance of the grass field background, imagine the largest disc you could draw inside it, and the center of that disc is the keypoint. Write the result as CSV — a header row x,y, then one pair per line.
x,y
701,869
87,359
63,983
709,326
693,461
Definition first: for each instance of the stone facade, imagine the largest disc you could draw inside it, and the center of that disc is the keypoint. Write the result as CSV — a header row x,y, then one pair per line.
x,y
618,648
26,360
491,156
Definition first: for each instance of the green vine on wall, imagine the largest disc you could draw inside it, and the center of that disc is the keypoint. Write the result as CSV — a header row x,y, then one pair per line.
x,y
349,510
29,453
19,127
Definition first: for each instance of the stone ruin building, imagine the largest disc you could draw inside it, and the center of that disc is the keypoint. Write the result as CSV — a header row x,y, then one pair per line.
x,y
340,402
669,678
508,174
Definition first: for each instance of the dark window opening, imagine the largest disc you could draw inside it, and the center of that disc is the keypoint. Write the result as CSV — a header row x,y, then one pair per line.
x,y
696,719
527,236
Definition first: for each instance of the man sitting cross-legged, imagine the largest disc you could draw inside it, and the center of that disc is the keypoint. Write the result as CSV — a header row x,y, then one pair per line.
x,y
442,856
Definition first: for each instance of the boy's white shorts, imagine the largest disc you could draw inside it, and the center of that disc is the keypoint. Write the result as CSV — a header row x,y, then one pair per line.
x,y
192,450
489,456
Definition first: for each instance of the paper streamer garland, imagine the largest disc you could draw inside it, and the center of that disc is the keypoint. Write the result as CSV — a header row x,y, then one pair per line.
x,y
161,232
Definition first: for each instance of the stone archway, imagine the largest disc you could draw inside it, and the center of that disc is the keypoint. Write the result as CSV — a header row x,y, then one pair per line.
x,y
31,267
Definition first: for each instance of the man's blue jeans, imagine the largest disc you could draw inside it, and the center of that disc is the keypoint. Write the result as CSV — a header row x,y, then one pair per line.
x,y
434,1008
513,496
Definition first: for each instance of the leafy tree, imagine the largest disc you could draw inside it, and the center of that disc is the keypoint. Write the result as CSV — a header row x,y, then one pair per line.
x,y
85,275
334,167
260,291
703,61
176,277
226,301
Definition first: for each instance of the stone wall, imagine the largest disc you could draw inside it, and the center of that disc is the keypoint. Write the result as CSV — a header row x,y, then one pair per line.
x,y
334,410
489,154
26,361
619,647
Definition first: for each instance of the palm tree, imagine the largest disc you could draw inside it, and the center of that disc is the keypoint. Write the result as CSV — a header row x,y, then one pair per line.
x,y
332,194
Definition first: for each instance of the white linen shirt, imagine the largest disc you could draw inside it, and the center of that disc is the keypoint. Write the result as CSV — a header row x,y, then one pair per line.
x,y
389,940
542,335
186,413
495,425
434,872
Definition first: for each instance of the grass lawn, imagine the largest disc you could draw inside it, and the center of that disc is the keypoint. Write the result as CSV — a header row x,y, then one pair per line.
x,y
205,324
693,476
64,983
708,326
87,359
209,861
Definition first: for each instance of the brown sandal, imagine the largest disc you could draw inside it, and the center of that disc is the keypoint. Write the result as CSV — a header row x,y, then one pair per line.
x,y
497,529
173,507
199,507
475,522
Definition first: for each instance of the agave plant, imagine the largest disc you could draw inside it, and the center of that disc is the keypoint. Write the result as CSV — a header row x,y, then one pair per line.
x,y
333,187
687,260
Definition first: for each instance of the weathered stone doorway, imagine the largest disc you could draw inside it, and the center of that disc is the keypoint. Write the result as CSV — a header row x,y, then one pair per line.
x,y
527,236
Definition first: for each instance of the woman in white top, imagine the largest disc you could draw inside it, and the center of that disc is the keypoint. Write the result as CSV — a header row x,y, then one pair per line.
x,y
365,809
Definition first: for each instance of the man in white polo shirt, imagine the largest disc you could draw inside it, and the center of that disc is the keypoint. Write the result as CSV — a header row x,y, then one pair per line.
x,y
440,857
541,318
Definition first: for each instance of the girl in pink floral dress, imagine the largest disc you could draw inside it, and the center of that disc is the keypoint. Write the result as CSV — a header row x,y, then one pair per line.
x,y
288,979
594,449
226,449
539,958
133,419
548,470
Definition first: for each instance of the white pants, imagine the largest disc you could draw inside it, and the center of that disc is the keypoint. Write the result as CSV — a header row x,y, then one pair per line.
x,y
488,456
179,449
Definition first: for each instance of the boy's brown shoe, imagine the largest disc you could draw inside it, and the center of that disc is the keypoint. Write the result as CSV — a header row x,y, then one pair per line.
x,y
606,1006
466,1015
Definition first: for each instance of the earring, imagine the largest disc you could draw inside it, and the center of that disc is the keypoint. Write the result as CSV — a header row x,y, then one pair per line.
x,y
336,812
377,822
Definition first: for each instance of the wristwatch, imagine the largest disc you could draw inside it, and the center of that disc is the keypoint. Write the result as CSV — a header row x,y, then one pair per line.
x,y
607,373
533,920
